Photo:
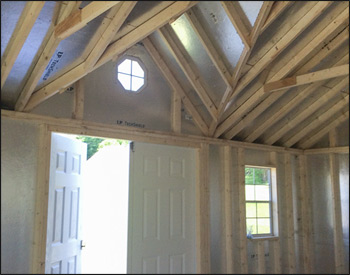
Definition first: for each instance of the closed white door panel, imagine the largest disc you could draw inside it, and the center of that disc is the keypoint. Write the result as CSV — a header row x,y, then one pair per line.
x,y
161,209
63,245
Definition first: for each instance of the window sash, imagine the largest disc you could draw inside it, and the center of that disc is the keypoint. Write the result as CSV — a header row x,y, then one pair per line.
x,y
260,217
132,74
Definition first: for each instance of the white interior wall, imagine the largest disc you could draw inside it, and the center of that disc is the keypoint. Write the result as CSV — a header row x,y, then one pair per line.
x,y
252,157
322,229
105,101
318,166
19,151
344,195
319,178
320,183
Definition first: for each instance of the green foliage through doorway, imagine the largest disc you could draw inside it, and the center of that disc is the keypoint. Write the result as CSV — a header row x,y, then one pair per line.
x,y
95,143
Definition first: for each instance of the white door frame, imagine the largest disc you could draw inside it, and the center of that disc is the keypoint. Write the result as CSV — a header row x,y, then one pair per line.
x,y
43,175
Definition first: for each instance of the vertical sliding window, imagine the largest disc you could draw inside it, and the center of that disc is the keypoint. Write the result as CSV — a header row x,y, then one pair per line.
x,y
258,197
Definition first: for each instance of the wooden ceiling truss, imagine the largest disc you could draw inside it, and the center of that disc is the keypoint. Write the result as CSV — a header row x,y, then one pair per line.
x,y
262,94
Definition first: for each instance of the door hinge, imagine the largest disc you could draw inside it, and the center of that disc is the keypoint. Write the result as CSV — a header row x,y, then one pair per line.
x,y
132,146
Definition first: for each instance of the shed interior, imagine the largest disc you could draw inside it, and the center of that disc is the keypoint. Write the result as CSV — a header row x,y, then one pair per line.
x,y
261,83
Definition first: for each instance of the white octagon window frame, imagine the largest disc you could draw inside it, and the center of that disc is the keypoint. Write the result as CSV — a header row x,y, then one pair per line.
x,y
131,75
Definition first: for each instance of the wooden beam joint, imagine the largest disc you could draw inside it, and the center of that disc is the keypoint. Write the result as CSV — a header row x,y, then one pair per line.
x,y
307,78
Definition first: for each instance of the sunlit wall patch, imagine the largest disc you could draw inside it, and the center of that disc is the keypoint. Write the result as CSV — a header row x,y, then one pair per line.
x,y
131,74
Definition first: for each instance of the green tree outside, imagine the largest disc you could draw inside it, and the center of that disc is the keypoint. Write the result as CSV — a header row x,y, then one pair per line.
x,y
260,177
95,143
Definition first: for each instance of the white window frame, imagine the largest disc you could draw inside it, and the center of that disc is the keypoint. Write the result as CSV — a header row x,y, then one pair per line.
x,y
136,59
274,232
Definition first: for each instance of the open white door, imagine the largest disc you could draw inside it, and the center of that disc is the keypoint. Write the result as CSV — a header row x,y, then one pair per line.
x,y
63,245
161,209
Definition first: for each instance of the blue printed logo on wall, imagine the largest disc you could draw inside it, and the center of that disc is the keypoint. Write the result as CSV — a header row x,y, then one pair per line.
x,y
132,124
53,62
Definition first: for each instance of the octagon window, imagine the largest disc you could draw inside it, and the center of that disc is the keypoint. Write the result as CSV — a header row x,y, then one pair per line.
x,y
131,75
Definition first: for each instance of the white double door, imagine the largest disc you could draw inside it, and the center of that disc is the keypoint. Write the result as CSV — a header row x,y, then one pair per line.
x,y
161,230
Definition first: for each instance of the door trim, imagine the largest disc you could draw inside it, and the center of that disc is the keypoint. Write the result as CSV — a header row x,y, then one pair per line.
x,y
42,199
202,210
130,213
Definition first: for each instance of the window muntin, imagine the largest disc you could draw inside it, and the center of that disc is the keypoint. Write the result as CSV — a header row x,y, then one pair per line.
x,y
131,75
258,201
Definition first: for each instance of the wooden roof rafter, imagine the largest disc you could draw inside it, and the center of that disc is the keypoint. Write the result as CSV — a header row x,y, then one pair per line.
x,y
118,14
341,105
273,116
179,52
95,39
239,20
302,115
112,51
321,131
123,11
260,20
308,78
175,85
215,58
157,21
248,109
145,16
64,28
295,12
66,8
79,18
261,107
277,9
282,44
256,96
209,47
328,48
23,27
44,57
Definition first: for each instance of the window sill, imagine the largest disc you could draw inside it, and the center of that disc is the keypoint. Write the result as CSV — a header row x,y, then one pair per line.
x,y
267,238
